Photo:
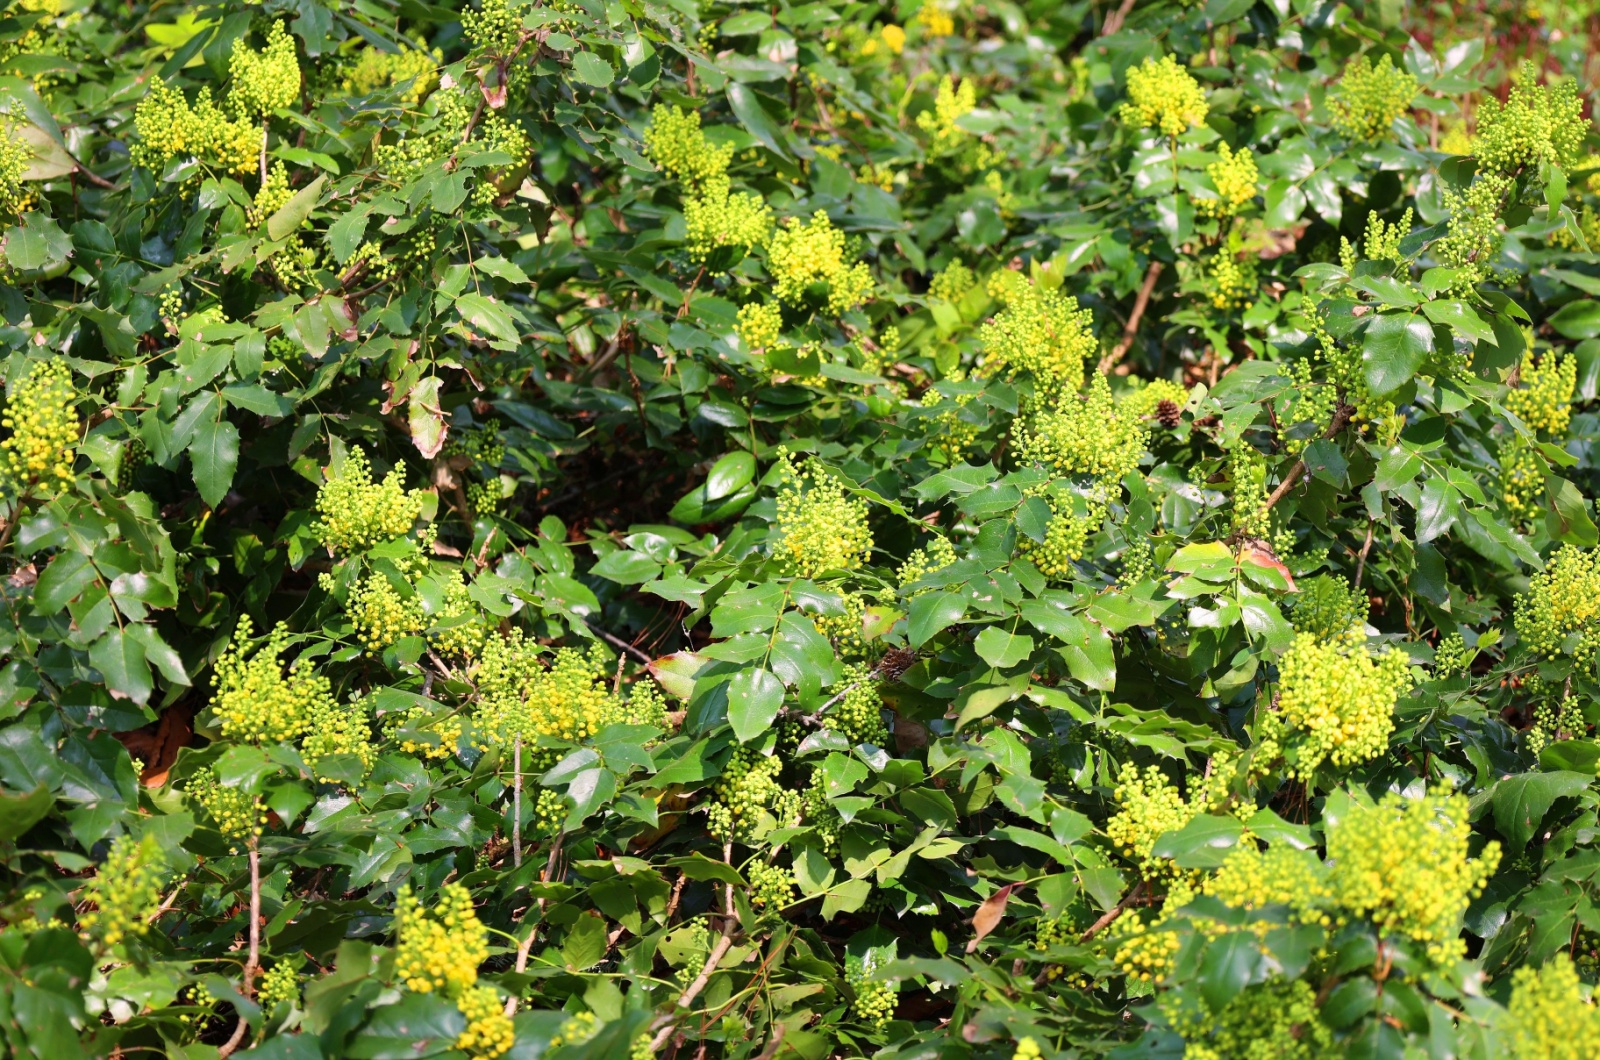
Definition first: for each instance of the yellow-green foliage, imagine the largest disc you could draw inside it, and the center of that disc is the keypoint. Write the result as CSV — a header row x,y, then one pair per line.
x,y
1282,875
1370,97
951,282
1336,700
1543,401
356,513
1560,612
807,253
1536,124
819,527
37,457
1403,864
1087,436
1041,333
1552,1016
256,699
123,893
1162,95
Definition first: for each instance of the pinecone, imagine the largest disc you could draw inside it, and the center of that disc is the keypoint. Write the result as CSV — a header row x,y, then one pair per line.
x,y
894,663
1168,413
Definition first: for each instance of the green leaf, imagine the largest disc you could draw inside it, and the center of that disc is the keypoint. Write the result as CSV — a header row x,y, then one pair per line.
x,y
592,70
67,576
754,697
1578,320
626,567
120,660
292,214
21,811
1520,802
1461,318
38,245
728,474
1395,346
747,108
215,453
931,613
1204,843
1000,649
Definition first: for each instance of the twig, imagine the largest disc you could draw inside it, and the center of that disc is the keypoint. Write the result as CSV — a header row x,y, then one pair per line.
x,y
730,924
1361,564
618,642
516,803
253,961
525,947
683,310
90,175
1111,914
1341,419
1115,20
1129,330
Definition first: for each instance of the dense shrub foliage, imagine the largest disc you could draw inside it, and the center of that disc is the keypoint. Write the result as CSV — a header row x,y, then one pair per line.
x,y
705,529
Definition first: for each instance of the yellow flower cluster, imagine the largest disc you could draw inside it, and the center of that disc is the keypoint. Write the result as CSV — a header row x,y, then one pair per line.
x,y
489,1032
1403,863
1282,875
760,324
820,528
675,142
1162,95
890,37
1042,333
575,1030
1231,280
1090,436
936,555
1544,400
1148,807
382,614
950,105
356,513
1452,656
460,626
717,217
493,27
1275,1020
858,717
338,729
255,699
951,282
807,253
1336,700
1146,398
15,156
1027,1049
169,128
1148,955
263,81
281,985
124,890
445,731
935,20
746,791
1521,479
238,815
1235,177
440,951
271,197
1327,606
1369,98
770,885
1549,1018
518,698
1073,517
42,417
1537,123
414,68
1560,612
